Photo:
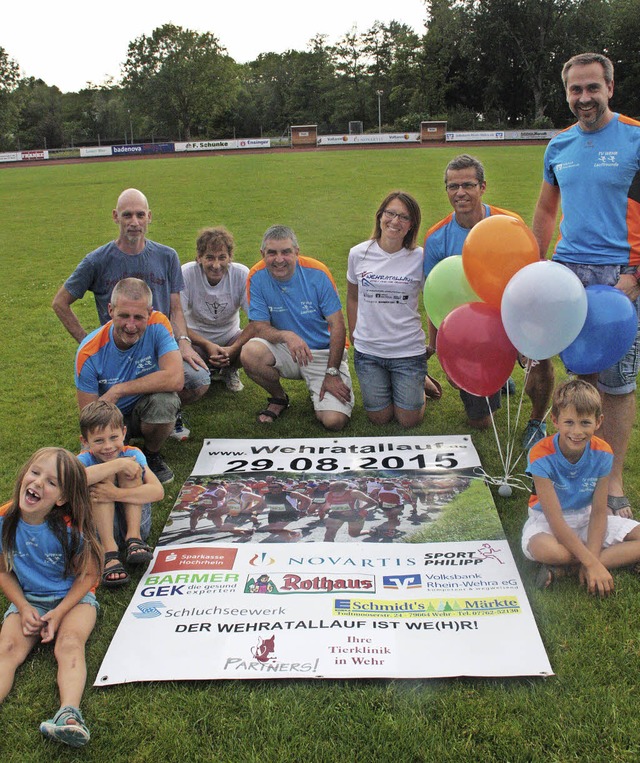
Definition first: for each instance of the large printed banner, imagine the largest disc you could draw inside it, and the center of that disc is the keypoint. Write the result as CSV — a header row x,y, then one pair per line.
x,y
330,558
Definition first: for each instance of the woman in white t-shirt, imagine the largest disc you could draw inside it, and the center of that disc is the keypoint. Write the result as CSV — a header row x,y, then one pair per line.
x,y
384,283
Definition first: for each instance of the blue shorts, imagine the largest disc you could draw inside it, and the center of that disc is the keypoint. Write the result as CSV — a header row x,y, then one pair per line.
x,y
391,381
620,379
46,603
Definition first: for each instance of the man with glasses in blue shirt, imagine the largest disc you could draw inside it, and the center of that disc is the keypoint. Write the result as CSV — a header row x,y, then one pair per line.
x,y
465,185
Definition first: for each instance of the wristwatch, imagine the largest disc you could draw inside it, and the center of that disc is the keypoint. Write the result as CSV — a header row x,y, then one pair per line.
x,y
186,338
332,371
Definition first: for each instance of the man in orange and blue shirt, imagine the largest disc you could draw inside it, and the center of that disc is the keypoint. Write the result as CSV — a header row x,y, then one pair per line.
x,y
134,362
465,183
299,331
593,170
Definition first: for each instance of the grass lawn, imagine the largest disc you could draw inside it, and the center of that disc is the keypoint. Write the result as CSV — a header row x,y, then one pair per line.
x,y
55,214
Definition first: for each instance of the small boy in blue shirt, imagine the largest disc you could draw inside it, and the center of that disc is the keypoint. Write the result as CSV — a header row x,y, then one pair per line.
x,y
569,526
122,488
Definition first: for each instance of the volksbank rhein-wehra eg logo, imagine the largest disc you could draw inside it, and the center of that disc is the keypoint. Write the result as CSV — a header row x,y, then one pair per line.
x,y
149,610
402,582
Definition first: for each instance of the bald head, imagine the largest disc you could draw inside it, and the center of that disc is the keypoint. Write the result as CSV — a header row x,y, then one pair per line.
x,y
131,196
132,215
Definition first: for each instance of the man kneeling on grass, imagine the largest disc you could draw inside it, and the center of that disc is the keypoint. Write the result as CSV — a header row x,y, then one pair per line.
x,y
569,528
299,332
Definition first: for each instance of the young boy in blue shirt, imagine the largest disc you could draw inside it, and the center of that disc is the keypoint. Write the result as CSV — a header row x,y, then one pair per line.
x,y
569,526
122,488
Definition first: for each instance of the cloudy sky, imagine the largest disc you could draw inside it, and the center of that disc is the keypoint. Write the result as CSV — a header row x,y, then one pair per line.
x,y
71,43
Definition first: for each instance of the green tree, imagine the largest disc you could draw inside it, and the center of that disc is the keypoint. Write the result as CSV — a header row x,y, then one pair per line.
x,y
40,120
408,75
180,81
350,60
448,57
519,46
105,112
294,87
510,52
9,77
625,54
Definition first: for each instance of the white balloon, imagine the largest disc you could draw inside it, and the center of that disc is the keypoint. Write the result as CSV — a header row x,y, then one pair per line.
x,y
544,307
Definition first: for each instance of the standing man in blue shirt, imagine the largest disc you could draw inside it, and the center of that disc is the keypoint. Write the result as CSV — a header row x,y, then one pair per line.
x,y
592,170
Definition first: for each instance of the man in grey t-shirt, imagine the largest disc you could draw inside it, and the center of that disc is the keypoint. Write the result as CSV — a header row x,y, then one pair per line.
x,y
133,255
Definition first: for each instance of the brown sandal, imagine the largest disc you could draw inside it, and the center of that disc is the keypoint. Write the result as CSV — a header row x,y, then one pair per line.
x,y
432,388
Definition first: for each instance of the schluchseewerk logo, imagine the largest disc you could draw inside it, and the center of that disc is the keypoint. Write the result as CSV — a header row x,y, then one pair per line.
x,y
149,610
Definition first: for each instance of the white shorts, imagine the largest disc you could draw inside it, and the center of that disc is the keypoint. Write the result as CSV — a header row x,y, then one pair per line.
x,y
313,375
617,527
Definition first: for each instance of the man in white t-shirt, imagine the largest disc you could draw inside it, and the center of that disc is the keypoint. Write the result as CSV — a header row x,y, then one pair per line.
x,y
215,289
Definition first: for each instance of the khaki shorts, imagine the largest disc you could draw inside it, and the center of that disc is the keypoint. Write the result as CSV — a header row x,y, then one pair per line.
x,y
313,375
155,408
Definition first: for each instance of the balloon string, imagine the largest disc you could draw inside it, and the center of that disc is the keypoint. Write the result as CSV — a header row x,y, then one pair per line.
x,y
511,433
510,445
515,481
497,438
526,448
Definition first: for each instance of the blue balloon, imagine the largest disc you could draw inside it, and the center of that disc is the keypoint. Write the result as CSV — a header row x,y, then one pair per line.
x,y
607,334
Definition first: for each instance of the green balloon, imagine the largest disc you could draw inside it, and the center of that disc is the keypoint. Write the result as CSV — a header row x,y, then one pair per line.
x,y
446,288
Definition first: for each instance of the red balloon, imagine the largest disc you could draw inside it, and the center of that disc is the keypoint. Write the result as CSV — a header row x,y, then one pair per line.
x,y
495,249
474,349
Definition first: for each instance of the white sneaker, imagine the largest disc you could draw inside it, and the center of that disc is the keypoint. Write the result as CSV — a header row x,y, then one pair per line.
x,y
180,432
231,378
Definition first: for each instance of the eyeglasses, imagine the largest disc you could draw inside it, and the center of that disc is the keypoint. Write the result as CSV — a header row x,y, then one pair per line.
x,y
392,216
453,187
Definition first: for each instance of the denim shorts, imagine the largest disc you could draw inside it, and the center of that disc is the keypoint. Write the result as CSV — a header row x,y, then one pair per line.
x,y
46,603
194,378
391,381
620,379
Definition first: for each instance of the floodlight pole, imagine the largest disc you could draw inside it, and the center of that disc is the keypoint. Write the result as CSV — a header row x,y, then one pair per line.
x,y
379,93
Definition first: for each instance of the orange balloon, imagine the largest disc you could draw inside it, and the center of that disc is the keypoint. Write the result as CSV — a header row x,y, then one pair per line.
x,y
495,249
